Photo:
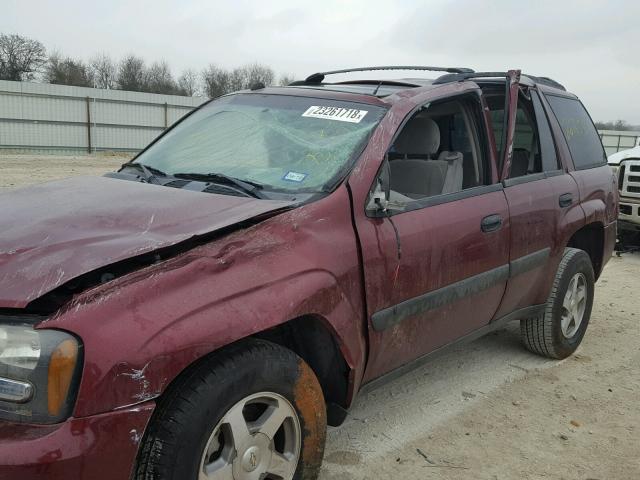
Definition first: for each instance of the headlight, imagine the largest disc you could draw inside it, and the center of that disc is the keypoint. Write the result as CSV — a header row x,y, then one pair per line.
x,y
39,372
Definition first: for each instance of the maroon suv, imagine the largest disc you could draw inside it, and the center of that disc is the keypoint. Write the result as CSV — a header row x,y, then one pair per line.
x,y
204,312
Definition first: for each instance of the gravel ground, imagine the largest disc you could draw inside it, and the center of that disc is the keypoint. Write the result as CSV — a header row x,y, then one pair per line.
x,y
489,409
19,170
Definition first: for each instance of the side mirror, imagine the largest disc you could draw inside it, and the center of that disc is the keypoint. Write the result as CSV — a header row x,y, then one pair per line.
x,y
379,198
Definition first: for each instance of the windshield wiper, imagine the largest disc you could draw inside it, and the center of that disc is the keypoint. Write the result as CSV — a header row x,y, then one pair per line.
x,y
149,173
244,186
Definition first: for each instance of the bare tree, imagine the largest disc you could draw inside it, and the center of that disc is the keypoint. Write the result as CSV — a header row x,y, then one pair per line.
x,y
286,80
158,79
20,57
131,74
620,125
188,83
216,80
237,79
256,74
104,71
67,71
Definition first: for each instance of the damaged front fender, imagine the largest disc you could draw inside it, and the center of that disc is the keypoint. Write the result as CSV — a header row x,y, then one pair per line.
x,y
141,330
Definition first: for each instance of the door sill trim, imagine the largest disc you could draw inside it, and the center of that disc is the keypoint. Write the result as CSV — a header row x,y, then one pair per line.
x,y
521,313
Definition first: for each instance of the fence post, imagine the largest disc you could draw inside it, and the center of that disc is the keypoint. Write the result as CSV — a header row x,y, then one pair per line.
x,y
166,115
88,124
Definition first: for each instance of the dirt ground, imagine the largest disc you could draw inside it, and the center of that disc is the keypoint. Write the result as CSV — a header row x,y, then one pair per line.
x,y
19,170
489,409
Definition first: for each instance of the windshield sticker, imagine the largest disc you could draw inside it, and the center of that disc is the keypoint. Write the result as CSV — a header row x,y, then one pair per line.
x,y
351,115
294,177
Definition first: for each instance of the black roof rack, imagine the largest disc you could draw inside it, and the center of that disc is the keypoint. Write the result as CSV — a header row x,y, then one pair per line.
x,y
547,81
459,77
319,77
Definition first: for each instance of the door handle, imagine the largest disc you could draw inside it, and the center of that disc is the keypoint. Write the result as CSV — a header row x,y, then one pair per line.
x,y
491,223
565,200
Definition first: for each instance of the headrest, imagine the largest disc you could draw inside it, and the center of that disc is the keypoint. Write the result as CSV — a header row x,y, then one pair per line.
x,y
421,135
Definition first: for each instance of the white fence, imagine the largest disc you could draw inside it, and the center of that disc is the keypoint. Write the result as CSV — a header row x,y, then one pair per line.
x,y
616,140
47,118
61,119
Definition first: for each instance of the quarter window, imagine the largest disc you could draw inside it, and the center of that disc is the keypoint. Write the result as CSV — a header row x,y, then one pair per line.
x,y
578,129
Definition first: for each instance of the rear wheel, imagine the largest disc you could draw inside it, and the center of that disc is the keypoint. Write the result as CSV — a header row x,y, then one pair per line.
x,y
557,332
256,413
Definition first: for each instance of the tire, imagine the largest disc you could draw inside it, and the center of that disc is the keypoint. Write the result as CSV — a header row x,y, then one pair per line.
x,y
196,425
553,334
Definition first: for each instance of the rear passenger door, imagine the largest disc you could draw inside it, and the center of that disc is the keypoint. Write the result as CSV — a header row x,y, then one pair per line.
x,y
542,199
436,267
598,187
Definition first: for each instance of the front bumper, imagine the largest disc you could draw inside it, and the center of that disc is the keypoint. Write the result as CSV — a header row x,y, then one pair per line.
x,y
92,448
629,215
627,226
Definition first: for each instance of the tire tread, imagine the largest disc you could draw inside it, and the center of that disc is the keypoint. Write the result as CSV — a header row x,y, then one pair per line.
x,y
537,332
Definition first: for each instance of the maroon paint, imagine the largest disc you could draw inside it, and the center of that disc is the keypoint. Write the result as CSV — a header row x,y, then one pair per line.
x,y
453,249
441,245
141,330
537,222
214,295
513,77
598,194
102,447
71,227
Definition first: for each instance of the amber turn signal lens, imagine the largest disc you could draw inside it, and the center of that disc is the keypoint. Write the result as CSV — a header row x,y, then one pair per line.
x,y
61,368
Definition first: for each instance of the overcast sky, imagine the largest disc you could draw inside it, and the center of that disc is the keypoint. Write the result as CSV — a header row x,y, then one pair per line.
x,y
591,47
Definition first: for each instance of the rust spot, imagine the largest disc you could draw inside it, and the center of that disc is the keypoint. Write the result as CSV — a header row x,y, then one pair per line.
x,y
310,402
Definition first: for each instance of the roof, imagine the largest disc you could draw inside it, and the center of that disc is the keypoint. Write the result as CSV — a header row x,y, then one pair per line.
x,y
382,88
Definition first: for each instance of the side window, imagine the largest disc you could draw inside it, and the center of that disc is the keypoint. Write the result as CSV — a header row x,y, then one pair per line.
x,y
547,145
497,123
578,129
526,144
526,157
533,147
440,150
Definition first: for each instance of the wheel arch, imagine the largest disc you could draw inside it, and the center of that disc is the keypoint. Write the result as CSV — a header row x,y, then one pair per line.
x,y
312,339
591,239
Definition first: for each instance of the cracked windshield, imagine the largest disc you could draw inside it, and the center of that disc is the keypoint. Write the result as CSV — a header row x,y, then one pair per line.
x,y
280,142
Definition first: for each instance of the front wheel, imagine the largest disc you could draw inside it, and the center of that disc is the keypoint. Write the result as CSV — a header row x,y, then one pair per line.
x,y
557,332
255,413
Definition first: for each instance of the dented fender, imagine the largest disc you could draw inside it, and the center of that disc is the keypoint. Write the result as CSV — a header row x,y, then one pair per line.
x,y
142,330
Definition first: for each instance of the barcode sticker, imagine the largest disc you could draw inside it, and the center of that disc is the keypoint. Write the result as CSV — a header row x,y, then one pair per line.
x,y
351,115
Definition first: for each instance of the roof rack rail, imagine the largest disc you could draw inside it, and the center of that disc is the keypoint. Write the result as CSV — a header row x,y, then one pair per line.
x,y
459,77
319,77
550,82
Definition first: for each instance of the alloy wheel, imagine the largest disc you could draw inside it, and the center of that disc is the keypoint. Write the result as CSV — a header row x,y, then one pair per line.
x,y
259,438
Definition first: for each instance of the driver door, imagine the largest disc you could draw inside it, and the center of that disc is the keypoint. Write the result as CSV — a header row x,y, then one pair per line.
x,y
436,263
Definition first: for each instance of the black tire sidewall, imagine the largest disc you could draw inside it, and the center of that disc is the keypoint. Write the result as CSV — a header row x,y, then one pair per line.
x,y
578,263
276,370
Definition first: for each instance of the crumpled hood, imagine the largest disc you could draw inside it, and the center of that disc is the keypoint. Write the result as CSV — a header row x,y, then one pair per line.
x,y
54,232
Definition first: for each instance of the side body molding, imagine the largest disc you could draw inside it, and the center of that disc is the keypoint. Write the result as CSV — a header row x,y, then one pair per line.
x,y
391,316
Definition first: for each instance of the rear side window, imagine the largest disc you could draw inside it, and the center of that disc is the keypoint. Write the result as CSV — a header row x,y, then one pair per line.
x,y
581,135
